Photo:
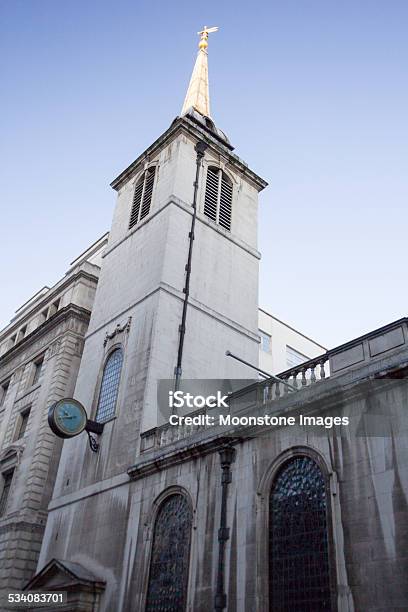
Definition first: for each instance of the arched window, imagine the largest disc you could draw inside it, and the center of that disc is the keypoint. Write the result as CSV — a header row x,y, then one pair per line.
x,y
299,572
168,576
109,386
142,196
218,197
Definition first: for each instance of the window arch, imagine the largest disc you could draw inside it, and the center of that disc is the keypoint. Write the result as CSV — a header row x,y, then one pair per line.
x,y
142,196
218,197
109,386
169,562
299,568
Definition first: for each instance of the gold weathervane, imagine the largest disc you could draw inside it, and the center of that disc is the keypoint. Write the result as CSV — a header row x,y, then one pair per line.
x,y
203,44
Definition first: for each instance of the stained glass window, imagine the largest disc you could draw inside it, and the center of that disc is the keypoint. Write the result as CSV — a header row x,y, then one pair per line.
x,y
168,578
109,386
299,573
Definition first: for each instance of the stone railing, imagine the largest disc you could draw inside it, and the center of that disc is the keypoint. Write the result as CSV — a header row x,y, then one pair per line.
x,y
378,346
167,434
293,380
303,375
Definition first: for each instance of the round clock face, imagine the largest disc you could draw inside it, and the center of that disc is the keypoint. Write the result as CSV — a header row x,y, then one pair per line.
x,y
67,418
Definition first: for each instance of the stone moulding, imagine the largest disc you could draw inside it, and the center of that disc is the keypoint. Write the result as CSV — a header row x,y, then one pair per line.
x,y
187,126
176,456
82,586
41,335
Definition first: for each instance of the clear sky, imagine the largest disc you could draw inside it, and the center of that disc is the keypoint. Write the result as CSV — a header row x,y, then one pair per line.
x,y
313,94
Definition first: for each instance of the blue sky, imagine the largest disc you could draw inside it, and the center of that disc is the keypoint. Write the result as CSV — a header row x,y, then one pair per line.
x,y
313,95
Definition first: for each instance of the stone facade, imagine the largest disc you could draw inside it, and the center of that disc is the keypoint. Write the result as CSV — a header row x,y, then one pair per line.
x,y
177,518
107,526
107,507
40,354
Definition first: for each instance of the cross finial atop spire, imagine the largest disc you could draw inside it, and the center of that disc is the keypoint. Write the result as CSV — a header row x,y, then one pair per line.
x,y
198,95
203,44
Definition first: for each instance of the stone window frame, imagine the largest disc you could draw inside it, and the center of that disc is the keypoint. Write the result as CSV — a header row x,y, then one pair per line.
x,y
5,388
9,461
150,522
338,574
222,167
35,362
262,335
19,422
4,474
141,176
107,353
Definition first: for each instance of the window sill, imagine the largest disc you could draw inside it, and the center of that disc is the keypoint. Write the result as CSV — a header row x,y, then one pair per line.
x,y
28,391
107,421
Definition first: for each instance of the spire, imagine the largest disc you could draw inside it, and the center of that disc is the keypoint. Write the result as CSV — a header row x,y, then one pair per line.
x,y
198,95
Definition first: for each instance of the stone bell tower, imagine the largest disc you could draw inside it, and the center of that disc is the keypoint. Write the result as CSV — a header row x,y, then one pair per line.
x,y
178,285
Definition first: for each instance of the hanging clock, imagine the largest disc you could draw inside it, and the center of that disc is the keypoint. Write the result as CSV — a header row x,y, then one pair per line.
x,y
67,418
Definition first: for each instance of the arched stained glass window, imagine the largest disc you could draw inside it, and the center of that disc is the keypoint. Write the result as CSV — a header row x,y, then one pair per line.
x,y
109,386
168,577
218,197
299,572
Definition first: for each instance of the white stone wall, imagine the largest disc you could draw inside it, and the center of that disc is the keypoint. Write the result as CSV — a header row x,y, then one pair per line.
x,y
108,526
151,258
282,336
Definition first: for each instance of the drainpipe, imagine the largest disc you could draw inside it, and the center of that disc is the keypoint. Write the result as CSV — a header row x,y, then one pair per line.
x,y
227,456
200,150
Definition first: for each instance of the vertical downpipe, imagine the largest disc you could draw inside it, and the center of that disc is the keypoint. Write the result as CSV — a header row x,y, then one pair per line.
x,y
227,456
200,150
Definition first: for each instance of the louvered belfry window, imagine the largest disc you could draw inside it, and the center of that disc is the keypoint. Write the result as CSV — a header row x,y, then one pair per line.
x,y
218,197
142,197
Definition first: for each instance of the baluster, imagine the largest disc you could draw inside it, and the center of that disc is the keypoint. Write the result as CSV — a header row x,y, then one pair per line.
x,y
294,379
322,370
304,381
162,437
312,373
285,387
277,390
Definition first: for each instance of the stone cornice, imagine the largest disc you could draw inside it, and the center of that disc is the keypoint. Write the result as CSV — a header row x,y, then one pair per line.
x,y
72,310
174,201
166,458
179,295
21,525
53,292
186,125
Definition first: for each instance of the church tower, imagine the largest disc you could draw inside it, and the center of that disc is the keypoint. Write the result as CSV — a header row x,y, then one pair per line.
x,y
178,285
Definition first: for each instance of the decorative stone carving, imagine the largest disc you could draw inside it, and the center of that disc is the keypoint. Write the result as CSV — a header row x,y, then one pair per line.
x,y
118,330
11,455
53,349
